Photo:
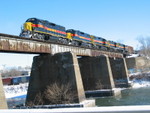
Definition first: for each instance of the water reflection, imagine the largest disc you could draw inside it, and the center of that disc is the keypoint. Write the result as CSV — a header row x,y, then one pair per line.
x,y
12,103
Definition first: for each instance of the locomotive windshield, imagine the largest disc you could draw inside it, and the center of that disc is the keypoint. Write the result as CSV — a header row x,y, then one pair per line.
x,y
33,20
71,31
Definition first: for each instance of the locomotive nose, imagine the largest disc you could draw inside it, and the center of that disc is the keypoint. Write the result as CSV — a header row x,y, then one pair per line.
x,y
26,34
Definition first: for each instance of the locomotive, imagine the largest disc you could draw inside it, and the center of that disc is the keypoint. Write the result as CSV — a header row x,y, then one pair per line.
x,y
48,31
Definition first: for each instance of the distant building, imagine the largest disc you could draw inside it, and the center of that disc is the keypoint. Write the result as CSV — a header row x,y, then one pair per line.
x,y
25,72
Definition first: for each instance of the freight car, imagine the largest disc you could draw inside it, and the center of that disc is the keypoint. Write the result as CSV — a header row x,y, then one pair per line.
x,y
6,81
15,80
45,30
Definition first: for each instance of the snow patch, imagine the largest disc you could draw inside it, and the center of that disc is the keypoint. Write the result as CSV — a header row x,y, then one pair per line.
x,y
139,84
133,55
15,90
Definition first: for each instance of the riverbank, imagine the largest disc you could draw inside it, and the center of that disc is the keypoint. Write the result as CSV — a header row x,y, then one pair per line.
x,y
16,91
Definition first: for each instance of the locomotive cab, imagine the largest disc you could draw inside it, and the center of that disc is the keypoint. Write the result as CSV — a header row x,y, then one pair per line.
x,y
28,28
43,30
70,33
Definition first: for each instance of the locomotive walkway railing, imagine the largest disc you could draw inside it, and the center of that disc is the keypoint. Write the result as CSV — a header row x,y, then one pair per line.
x,y
10,43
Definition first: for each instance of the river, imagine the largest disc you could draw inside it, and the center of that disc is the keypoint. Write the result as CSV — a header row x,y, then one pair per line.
x,y
132,96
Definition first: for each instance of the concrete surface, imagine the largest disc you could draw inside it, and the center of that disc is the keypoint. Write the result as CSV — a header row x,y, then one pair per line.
x,y
3,103
96,73
60,68
119,71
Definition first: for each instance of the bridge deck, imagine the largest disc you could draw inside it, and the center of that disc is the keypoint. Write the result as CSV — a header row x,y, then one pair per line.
x,y
16,44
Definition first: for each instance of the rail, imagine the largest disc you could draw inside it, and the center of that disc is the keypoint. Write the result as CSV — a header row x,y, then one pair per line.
x,y
112,109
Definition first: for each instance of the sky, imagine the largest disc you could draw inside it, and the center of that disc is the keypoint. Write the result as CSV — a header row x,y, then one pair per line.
x,y
118,20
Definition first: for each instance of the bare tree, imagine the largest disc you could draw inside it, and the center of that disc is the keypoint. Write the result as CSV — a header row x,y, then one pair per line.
x,y
11,73
59,94
145,45
38,100
54,94
98,85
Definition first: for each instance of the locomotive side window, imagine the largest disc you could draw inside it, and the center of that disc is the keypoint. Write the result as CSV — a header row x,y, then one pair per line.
x,y
82,33
62,28
71,31
52,24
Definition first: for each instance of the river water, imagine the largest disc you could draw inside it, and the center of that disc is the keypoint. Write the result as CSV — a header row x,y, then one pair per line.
x,y
132,96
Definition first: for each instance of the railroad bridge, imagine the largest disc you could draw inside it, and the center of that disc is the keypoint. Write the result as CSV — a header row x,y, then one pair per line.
x,y
16,44
58,63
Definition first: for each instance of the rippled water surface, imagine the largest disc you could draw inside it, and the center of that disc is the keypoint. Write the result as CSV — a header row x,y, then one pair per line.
x,y
136,96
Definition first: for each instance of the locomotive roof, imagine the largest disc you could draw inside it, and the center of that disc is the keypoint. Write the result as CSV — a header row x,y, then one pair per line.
x,y
43,22
62,27
78,31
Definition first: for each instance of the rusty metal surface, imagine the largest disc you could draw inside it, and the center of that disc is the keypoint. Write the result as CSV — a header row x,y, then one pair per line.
x,y
11,43
110,54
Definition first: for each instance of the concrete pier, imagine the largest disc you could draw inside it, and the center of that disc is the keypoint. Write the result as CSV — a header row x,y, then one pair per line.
x,y
96,73
3,103
60,68
120,73
138,64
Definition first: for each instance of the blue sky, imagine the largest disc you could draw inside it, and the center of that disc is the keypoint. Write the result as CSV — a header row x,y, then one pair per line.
x,y
118,20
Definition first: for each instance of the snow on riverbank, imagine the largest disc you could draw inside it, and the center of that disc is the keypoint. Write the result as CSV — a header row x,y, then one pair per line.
x,y
139,84
139,80
13,91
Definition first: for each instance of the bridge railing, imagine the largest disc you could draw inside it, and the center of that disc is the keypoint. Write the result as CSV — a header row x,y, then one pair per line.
x,y
118,109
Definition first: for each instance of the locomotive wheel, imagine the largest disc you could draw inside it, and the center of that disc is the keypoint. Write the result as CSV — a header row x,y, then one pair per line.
x,y
74,43
95,46
37,36
64,41
40,37
46,37
104,48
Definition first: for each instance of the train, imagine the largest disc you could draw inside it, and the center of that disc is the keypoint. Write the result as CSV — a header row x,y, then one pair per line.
x,y
15,80
47,31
